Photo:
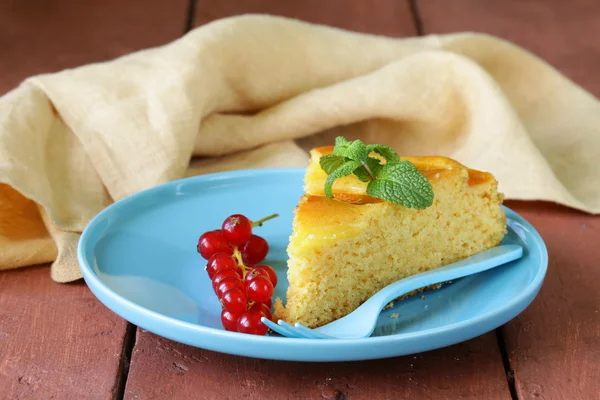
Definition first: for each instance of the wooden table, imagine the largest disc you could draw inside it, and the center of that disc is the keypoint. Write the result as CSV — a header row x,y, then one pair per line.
x,y
57,341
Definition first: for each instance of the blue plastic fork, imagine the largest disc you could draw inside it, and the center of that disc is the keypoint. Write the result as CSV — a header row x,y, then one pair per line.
x,y
361,322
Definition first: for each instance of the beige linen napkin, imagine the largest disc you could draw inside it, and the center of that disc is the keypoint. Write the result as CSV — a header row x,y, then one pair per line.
x,y
257,91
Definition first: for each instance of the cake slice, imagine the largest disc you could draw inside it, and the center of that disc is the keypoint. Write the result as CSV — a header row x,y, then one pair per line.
x,y
346,248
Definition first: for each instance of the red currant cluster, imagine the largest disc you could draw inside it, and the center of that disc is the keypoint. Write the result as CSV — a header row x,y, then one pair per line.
x,y
244,287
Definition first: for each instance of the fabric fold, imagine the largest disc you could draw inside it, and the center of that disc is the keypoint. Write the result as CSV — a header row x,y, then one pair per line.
x,y
256,91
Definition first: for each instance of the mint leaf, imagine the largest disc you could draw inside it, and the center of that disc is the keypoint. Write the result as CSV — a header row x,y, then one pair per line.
x,y
362,175
341,144
340,140
385,151
330,162
373,165
402,183
346,169
356,151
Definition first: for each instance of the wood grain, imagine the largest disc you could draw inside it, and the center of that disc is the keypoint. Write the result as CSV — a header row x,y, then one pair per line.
x,y
48,36
554,346
56,340
564,33
163,369
383,17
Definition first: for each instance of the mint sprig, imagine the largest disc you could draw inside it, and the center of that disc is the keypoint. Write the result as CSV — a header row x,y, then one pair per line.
x,y
346,169
331,162
398,181
385,151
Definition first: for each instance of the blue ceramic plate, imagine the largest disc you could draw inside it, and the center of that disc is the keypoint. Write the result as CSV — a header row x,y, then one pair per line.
x,y
139,257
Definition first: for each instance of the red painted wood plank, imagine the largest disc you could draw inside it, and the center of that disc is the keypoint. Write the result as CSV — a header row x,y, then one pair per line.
x,y
384,17
564,33
48,36
554,346
161,368
56,340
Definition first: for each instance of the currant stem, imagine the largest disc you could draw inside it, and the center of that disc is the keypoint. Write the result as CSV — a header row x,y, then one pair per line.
x,y
260,221
238,257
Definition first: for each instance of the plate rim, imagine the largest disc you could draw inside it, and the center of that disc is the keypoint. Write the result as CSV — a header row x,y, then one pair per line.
x,y
117,303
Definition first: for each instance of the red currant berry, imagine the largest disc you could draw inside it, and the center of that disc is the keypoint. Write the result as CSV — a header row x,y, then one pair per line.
x,y
213,242
221,276
237,229
268,303
255,273
228,284
270,271
254,250
262,307
234,301
250,322
229,320
259,289
221,262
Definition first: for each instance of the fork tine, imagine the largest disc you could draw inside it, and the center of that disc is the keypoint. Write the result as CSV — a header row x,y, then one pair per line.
x,y
291,331
273,326
311,333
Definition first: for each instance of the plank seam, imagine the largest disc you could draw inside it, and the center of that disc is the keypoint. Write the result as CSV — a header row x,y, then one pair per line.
x,y
416,14
509,372
126,351
191,14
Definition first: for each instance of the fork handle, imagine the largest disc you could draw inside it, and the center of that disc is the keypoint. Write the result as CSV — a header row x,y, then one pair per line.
x,y
479,262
